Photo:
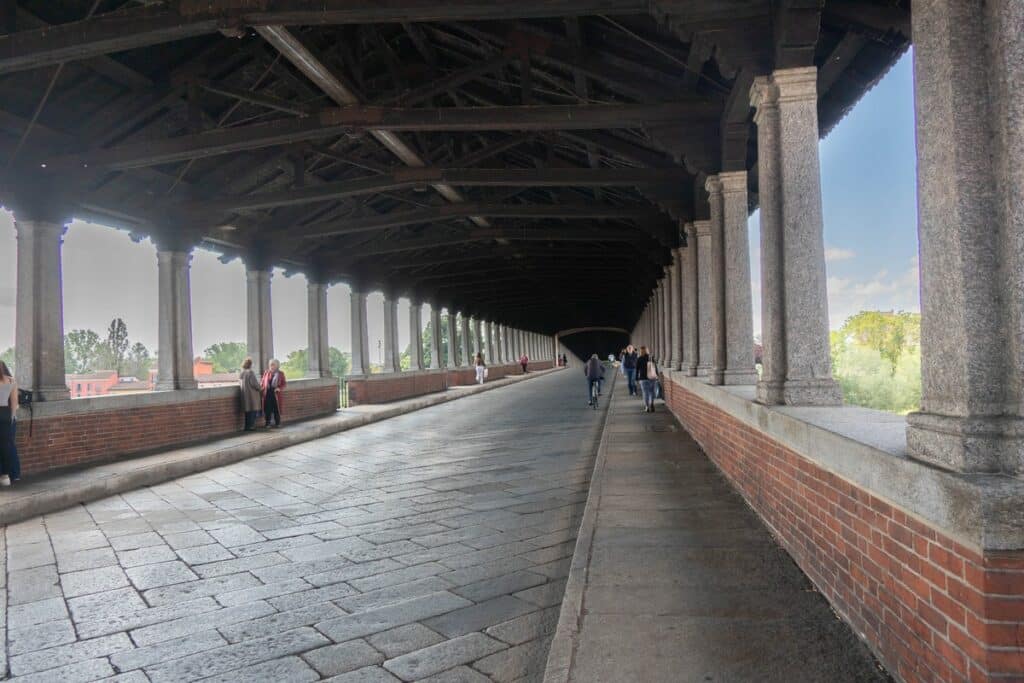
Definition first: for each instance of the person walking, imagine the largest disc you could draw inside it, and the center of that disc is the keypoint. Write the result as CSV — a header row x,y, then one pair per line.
x,y
524,362
594,372
273,385
252,394
481,368
647,371
629,361
10,468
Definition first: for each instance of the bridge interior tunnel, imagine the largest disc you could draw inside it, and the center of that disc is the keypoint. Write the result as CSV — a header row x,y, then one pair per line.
x,y
601,342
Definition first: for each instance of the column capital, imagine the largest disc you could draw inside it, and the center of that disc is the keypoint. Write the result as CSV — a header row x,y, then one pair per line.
x,y
733,181
702,228
764,94
34,197
797,85
713,185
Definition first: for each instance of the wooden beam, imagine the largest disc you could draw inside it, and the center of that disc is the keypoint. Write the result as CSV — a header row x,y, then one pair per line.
x,y
447,212
334,122
152,25
469,177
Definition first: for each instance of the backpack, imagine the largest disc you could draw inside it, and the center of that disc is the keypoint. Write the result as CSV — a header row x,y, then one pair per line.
x,y
652,370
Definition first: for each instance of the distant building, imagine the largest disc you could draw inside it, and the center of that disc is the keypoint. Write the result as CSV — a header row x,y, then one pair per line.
x,y
91,383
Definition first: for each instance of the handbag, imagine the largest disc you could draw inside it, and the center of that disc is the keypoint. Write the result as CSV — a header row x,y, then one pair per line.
x,y
25,399
652,370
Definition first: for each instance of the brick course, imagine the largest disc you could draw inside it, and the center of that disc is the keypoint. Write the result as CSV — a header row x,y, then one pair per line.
x,y
398,386
930,607
106,434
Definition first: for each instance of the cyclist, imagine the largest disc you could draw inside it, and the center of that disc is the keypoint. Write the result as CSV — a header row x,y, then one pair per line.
x,y
594,370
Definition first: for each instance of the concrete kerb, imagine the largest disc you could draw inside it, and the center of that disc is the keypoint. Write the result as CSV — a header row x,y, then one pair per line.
x,y
93,483
563,646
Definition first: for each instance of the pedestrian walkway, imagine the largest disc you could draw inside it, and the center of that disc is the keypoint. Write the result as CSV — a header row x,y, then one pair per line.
x,y
431,546
49,492
675,578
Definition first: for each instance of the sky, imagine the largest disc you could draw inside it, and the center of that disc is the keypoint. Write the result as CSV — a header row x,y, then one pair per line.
x,y
868,167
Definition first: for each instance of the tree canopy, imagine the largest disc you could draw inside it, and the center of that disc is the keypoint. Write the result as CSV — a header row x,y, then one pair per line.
x,y
226,356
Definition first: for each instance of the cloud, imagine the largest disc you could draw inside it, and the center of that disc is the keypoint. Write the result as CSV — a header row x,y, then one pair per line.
x,y
838,254
884,291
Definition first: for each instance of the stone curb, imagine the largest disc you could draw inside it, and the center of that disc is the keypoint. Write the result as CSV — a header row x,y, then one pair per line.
x,y
84,485
562,653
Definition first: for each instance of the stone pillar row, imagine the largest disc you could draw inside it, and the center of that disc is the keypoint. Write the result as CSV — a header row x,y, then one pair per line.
x,y
39,333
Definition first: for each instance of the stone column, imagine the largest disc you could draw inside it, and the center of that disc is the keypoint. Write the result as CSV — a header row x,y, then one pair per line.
x,y
506,339
489,336
360,333
174,323
39,325
416,336
795,268
717,281
467,350
739,316
691,316
705,324
259,319
392,355
453,340
478,341
675,312
968,67
436,363
319,352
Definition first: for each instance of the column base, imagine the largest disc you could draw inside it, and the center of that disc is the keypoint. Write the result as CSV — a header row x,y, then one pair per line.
x,y
175,385
704,372
55,393
739,377
690,370
770,393
967,444
812,392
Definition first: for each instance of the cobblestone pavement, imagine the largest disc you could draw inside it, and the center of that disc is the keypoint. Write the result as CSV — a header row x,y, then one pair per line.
x,y
430,547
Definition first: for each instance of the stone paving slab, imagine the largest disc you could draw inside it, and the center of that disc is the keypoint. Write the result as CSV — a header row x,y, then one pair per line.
x,y
51,492
673,578
432,546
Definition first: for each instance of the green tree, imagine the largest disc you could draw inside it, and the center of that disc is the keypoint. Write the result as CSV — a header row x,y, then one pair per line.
x,y
296,364
341,362
117,344
226,356
83,349
428,336
889,333
139,361
8,358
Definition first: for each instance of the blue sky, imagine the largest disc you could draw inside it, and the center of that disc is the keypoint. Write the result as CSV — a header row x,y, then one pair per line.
x,y
868,192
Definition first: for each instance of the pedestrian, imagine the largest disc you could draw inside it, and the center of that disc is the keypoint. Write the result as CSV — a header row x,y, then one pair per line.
x,y
594,372
252,395
629,360
647,371
524,361
481,368
273,385
10,468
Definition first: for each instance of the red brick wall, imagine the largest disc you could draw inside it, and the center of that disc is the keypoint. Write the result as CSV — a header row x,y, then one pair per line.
x,y
106,434
395,387
931,608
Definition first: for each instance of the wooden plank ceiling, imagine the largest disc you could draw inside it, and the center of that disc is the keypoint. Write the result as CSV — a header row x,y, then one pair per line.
x,y
524,161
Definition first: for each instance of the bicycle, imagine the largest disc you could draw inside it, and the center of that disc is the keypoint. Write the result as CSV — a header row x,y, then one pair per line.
x,y
594,393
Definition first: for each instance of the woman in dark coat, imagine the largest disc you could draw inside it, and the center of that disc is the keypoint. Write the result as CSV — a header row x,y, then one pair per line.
x,y
252,395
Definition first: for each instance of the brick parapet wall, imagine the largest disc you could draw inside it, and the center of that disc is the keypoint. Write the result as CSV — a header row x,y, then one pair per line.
x,y
87,431
385,388
932,608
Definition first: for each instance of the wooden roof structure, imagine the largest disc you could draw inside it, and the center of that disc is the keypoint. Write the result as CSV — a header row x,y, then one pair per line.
x,y
528,162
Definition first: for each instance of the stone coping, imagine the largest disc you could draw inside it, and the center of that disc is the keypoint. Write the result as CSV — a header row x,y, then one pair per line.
x,y
145,399
65,488
866,448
